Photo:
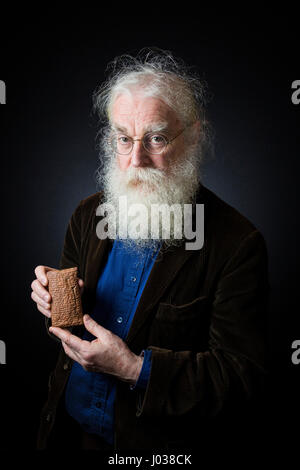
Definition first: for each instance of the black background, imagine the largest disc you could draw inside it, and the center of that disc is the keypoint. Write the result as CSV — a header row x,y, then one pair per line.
x,y
48,154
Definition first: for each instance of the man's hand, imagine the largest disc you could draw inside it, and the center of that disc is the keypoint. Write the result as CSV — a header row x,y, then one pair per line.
x,y
107,353
40,293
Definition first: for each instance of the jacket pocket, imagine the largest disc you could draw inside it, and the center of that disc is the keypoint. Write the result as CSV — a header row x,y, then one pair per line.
x,y
182,327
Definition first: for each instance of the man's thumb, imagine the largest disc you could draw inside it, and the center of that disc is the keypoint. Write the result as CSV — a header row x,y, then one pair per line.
x,y
81,285
92,326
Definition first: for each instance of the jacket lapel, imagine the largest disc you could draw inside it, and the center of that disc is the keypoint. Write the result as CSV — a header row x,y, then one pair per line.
x,y
165,269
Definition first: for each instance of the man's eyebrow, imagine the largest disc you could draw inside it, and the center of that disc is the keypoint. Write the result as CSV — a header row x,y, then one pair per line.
x,y
117,128
156,127
152,127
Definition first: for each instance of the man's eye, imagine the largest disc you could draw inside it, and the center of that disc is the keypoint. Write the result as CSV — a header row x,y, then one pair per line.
x,y
123,139
157,139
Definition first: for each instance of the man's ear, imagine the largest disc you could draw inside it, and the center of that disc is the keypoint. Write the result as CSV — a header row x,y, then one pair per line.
x,y
196,131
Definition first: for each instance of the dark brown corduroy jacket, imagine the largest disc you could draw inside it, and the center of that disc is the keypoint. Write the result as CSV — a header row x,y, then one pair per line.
x,y
202,313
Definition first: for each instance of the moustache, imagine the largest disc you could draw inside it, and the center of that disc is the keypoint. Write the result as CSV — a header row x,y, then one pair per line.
x,y
143,175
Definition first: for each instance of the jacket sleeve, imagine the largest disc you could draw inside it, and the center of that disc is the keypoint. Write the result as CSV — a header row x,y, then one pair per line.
x,y
70,256
234,365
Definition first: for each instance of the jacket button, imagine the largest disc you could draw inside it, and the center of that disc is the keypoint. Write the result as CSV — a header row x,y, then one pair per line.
x,y
66,366
49,417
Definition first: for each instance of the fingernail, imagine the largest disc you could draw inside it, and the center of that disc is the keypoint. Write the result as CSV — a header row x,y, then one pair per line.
x,y
46,297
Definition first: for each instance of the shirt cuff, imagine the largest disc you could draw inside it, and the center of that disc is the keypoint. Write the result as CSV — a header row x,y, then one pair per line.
x,y
142,381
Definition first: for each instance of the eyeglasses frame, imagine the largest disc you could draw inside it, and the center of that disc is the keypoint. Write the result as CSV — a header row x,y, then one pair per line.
x,y
168,141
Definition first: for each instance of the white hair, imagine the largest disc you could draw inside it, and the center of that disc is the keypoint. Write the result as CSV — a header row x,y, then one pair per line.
x,y
154,73
157,74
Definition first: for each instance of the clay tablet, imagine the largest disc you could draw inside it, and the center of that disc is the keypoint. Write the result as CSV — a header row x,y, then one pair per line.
x,y
66,308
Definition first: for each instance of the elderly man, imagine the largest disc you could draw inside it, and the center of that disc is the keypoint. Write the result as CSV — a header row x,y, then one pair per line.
x,y
172,337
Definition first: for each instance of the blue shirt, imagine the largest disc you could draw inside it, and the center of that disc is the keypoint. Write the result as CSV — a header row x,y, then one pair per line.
x,y
90,396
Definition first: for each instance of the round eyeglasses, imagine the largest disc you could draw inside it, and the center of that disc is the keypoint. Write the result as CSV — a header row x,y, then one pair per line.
x,y
153,143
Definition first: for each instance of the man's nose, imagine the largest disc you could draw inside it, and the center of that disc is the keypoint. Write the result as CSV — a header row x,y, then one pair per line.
x,y
138,155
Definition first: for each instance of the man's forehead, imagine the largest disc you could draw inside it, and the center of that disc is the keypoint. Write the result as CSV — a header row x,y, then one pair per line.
x,y
147,112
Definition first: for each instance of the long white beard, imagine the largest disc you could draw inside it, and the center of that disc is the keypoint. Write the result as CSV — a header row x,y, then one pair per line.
x,y
150,186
